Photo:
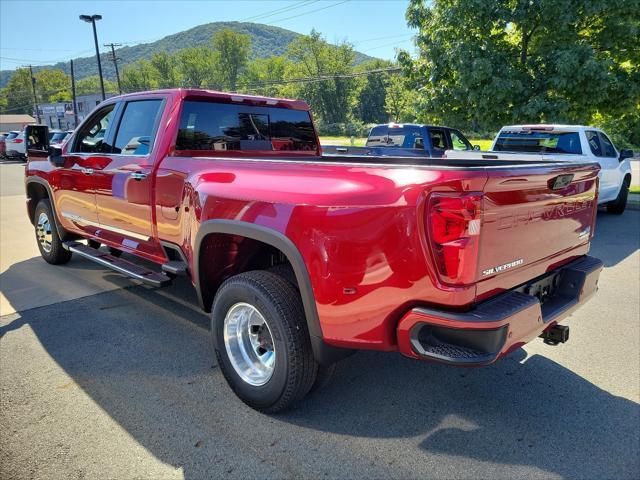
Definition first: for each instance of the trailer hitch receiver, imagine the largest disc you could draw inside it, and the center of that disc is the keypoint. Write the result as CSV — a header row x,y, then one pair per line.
x,y
555,335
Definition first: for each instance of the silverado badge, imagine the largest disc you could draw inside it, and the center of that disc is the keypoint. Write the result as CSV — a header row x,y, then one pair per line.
x,y
503,267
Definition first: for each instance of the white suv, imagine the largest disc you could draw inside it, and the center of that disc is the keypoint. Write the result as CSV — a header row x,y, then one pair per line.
x,y
14,143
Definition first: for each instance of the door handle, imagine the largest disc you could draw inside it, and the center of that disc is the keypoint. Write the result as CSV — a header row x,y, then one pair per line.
x,y
138,176
87,171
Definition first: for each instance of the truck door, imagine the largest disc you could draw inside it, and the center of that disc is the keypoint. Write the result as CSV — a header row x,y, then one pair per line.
x,y
124,185
74,187
602,148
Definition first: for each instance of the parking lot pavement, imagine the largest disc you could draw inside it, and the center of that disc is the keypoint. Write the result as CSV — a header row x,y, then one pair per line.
x,y
121,384
26,280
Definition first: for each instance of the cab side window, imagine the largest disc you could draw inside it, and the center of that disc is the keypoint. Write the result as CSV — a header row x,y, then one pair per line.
x,y
608,149
458,142
136,131
438,139
594,143
91,137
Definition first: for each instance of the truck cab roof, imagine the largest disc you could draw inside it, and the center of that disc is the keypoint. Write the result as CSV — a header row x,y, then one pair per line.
x,y
226,97
554,127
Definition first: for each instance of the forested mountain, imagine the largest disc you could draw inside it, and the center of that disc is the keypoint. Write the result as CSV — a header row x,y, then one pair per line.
x,y
266,41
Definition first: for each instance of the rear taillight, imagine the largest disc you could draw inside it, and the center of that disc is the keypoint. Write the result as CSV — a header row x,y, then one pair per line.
x,y
454,222
17,140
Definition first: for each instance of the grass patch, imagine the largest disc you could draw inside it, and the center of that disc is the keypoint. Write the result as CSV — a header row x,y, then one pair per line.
x,y
484,144
360,141
634,189
343,141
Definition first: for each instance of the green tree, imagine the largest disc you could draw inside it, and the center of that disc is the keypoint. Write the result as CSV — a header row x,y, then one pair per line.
x,y
484,64
166,66
231,55
139,77
91,85
264,76
370,107
331,97
17,95
195,65
53,86
398,99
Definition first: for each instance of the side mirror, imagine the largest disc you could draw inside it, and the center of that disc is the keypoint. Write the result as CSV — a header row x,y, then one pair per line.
x,y
36,138
476,148
624,154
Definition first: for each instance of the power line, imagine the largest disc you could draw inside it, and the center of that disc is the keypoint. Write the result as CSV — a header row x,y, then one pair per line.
x,y
266,83
307,12
271,13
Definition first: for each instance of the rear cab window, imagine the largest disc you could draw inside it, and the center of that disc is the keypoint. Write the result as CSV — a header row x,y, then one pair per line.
x,y
400,136
225,127
538,141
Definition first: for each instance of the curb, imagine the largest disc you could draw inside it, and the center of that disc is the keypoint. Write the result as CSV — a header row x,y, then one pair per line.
x,y
633,202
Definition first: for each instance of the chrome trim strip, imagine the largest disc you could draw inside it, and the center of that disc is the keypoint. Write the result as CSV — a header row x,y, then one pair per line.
x,y
121,231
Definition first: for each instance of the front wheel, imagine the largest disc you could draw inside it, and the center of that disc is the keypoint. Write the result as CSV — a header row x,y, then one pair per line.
x,y
618,206
261,341
49,242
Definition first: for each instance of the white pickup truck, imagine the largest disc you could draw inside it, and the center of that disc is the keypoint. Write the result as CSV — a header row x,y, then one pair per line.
x,y
564,142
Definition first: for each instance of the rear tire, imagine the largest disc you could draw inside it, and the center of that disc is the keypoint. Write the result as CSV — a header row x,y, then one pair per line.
x,y
49,242
325,372
262,303
618,206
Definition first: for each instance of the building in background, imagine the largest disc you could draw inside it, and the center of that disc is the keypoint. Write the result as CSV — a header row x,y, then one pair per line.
x,y
59,115
15,122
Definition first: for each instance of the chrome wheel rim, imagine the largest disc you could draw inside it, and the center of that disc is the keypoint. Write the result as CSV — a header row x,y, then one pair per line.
x,y
43,232
249,344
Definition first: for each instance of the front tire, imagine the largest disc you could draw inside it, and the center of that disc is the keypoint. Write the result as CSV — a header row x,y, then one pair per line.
x,y
618,206
260,338
49,242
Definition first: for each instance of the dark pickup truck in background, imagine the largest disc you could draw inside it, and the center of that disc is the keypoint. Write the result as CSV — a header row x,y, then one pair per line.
x,y
303,258
406,140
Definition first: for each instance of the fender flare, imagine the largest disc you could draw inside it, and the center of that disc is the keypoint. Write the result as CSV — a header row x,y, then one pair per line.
x,y
325,354
41,181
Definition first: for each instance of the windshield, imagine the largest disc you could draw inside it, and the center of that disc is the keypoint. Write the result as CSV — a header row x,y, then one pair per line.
x,y
538,142
392,136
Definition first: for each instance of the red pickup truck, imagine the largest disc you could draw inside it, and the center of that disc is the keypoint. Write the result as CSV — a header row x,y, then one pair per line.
x,y
302,259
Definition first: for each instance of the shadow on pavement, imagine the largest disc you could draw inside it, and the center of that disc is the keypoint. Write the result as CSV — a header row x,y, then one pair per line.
x,y
617,236
144,358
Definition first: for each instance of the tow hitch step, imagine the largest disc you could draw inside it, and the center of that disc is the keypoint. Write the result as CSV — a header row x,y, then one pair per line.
x,y
555,335
129,269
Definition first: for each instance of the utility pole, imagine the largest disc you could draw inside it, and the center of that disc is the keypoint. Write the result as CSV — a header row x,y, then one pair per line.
x,y
115,61
92,20
35,99
73,94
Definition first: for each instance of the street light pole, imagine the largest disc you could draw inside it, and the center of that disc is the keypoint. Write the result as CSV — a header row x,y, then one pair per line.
x,y
92,20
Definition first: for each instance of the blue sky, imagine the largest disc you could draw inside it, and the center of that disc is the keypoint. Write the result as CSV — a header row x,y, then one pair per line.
x,y
46,31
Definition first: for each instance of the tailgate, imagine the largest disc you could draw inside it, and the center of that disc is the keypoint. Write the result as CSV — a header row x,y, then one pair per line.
x,y
534,216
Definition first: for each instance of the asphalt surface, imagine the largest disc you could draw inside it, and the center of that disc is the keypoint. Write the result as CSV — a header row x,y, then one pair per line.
x,y
102,381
